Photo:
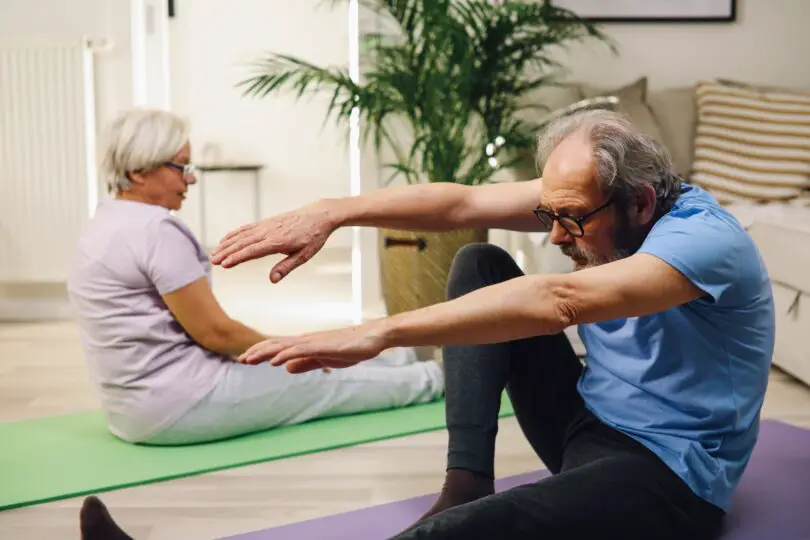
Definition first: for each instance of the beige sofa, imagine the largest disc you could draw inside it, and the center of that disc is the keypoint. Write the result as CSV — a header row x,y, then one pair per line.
x,y
781,227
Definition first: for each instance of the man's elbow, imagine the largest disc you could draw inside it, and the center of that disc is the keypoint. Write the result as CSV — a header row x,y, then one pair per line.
x,y
465,212
554,309
562,303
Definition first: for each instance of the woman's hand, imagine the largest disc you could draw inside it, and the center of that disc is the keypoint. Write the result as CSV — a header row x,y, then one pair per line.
x,y
299,234
331,349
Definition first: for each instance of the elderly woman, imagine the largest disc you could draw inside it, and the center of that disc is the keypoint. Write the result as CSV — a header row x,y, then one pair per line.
x,y
160,348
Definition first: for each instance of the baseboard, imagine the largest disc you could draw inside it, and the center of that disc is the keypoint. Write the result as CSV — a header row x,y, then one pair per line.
x,y
34,310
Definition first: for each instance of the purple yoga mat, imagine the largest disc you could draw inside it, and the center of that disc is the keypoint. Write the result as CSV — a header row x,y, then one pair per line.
x,y
772,502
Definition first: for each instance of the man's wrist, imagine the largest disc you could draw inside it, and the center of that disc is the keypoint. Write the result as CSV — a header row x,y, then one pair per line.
x,y
337,212
388,332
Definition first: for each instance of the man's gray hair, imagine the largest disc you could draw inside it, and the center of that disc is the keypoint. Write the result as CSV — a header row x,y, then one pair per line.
x,y
626,159
140,140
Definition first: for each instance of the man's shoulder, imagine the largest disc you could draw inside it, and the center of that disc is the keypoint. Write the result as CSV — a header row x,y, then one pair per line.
x,y
698,204
708,245
699,215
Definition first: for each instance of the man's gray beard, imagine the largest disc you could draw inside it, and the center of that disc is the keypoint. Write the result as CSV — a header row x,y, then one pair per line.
x,y
592,260
628,240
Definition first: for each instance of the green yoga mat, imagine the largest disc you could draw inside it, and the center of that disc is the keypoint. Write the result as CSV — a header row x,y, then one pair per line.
x,y
58,457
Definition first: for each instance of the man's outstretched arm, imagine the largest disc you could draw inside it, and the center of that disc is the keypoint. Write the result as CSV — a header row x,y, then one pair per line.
x,y
443,206
519,308
545,304
301,233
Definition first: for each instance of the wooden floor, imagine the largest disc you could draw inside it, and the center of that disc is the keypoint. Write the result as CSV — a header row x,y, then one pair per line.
x,y
42,373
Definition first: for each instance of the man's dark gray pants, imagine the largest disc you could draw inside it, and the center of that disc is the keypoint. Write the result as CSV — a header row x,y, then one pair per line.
x,y
604,485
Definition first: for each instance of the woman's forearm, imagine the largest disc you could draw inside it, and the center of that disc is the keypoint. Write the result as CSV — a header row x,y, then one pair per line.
x,y
232,338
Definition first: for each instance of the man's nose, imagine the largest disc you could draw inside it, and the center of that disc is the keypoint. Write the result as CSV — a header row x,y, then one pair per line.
x,y
560,236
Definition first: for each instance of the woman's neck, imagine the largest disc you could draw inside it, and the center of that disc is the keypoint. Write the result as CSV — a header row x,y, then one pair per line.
x,y
129,196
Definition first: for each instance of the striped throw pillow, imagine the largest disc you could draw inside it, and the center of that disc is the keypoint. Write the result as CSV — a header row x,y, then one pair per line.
x,y
751,145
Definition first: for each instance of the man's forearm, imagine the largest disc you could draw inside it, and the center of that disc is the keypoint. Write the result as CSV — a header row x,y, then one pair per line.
x,y
516,309
441,207
419,207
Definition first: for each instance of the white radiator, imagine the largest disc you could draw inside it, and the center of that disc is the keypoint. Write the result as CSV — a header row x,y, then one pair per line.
x,y
48,183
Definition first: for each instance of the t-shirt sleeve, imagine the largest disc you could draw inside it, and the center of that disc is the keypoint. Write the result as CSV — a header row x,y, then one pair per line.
x,y
172,259
711,252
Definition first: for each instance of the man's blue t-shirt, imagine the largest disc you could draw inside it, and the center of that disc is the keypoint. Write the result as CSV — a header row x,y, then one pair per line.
x,y
689,382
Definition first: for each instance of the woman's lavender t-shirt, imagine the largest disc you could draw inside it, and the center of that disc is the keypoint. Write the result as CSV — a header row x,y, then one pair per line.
x,y
148,370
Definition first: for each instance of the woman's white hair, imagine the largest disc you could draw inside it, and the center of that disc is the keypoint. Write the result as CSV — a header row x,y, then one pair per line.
x,y
140,140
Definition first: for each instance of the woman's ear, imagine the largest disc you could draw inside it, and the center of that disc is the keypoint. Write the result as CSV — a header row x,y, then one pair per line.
x,y
135,177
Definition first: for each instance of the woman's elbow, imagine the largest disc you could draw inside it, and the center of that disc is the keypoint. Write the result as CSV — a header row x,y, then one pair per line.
x,y
215,337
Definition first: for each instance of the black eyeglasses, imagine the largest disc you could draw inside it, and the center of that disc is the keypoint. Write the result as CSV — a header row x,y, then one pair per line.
x,y
572,225
188,169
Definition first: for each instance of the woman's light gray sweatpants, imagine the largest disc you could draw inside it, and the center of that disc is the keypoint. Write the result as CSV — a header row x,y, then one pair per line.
x,y
255,398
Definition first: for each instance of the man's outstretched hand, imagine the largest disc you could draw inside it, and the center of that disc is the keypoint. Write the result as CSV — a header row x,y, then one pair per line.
x,y
298,234
331,349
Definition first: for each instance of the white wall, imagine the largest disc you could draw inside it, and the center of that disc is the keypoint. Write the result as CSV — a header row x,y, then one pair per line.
x,y
122,24
212,41
131,73
151,55
768,43
46,21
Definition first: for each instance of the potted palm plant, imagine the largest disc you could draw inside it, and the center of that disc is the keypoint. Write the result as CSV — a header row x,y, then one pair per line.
x,y
440,97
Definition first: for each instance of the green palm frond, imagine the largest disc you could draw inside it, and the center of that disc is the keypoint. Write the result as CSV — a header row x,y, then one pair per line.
x,y
454,71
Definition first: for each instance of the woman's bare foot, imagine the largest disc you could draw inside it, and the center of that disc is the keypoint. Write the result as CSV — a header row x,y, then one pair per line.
x,y
96,523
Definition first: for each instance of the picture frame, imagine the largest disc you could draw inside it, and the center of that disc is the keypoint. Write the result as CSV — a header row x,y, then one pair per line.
x,y
652,11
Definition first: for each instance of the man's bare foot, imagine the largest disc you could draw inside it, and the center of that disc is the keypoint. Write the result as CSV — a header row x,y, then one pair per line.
x,y
461,486
96,523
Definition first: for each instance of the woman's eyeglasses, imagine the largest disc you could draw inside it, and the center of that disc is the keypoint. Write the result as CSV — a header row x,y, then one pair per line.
x,y
188,169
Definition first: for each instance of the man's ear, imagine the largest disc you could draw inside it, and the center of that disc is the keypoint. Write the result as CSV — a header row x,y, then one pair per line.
x,y
642,212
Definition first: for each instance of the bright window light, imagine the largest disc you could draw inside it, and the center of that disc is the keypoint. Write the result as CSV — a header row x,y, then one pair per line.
x,y
138,32
90,130
354,161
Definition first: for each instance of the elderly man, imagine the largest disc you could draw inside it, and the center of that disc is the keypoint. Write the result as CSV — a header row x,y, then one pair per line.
x,y
649,436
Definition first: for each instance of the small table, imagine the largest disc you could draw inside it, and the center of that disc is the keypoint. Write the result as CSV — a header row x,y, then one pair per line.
x,y
229,167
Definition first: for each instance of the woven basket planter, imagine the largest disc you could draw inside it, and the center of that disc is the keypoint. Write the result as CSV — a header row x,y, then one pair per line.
x,y
414,266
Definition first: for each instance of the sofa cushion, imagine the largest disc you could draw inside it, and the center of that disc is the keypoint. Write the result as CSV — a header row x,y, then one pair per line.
x,y
675,111
804,197
792,327
632,103
782,235
538,103
751,145
764,87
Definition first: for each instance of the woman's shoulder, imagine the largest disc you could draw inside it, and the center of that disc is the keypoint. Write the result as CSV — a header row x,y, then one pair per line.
x,y
137,228
170,226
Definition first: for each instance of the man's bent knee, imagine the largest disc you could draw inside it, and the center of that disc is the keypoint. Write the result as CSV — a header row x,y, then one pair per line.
x,y
481,252
479,265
